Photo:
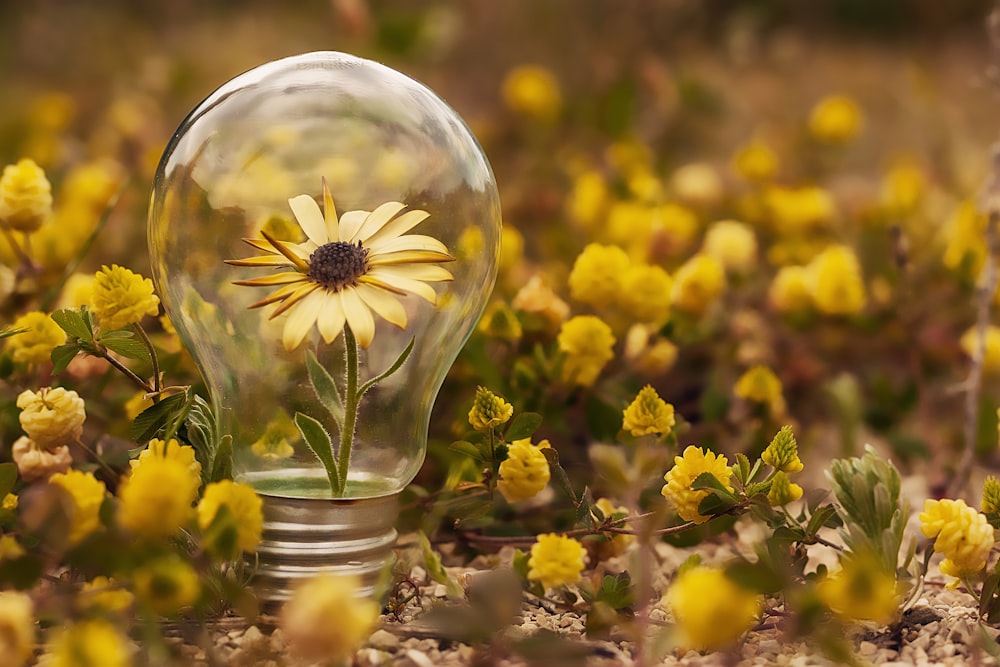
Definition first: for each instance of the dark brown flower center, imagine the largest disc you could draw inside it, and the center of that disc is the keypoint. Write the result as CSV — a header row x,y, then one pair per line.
x,y
338,265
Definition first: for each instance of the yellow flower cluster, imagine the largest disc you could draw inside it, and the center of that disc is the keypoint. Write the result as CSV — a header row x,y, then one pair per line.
x,y
243,523
156,498
648,414
836,285
861,591
489,410
991,495
52,417
121,297
783,490
790,290
167,584
596,277
171,449
686,469
733,244
35,345
93,642
783,452
556,560
645,294
525,471
964,535
587,342
797,210
759,384
756,161
88,494
697,284
17,629
25,196
711,611
533,91
305,618
835,119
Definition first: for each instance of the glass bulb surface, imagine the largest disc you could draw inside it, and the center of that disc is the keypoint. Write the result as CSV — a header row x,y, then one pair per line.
x,y
366,135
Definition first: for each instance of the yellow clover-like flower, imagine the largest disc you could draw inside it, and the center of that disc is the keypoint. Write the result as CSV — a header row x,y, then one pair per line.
x,y
783,490
104,595
790,290
556,560
648,414
760,385
963,535
618,542
52,417
305,618
533,91
836,282
167,584
17,629
93,642
34,462
861,591
587,342
991,495
756,161
711,611
35,345
244,520
835,119
121,297
9,502
970,342
88,494
645,293
25,196
698,283
156,498
525,471
171,449
489,410
732,243
687,468
347,269
596,277
538,298
783,452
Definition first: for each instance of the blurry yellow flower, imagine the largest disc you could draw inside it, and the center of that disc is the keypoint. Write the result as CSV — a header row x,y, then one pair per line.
x,y
794,211
489,410
648,357
52,417
106,595
965,239
172,449
711,611
243,525
991,354
533,91
136,404
645,293
836,282
35,345
629,155
525,471
964,535
283,229
17,629
783,490
10,549
618,542
93,643
77,291
733,244
556,560
687,467
760,385
648,414
630,224
52,111
835,119
861,591
586,201
587,342
167,584
92,184
122,297
697,184
499,321
596,277
275,443
511,249
156,498
645,186
87,493
34,462
783,452
903,187
991,495
305,618
25,196
756,161
538,298
697,284
9,502
790,290
674,229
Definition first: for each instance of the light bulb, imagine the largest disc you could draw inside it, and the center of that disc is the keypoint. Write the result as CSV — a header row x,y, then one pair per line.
x,y
373,223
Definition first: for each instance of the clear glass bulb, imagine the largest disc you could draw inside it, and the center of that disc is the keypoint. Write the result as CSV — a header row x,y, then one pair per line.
x,y
370,136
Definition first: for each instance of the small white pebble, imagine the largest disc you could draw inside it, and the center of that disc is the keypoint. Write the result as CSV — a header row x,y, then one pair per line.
x,y
867,648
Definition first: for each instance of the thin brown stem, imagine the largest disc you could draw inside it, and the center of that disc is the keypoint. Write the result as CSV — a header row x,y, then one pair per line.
x,y
144,337
127,372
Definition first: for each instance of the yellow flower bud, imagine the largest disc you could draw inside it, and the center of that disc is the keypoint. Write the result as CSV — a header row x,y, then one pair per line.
x,y
835,119
53,417
533,91
35,345
648,414
756,161
25,196
783,491
760,385
525,471
991,495
489,410
783,452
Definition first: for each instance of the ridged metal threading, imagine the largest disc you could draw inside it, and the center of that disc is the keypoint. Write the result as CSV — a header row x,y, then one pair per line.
x,y
306,537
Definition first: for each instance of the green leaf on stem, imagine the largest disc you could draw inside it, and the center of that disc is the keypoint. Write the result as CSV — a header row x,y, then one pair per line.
x,y
126,347
325,388
319,442
523,426
155,417
223,468
62,355
72,322
714,504
558,474
742,468
824,516
467,448
400,360
707,480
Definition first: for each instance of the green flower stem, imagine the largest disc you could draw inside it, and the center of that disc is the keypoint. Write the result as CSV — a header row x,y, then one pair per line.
x,y
351,401
144,337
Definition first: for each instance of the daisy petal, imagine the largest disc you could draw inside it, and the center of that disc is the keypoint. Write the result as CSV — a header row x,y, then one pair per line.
x,y
377,219
261,244
385,304
397,226
330,214
330,320
300,320
350,223
404,282
278,295
310,218
289,250
424,272
408,242
276,279
410,257
260,260
359,318
294,297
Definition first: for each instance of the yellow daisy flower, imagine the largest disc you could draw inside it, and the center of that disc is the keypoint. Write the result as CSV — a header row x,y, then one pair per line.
x,y
347,269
